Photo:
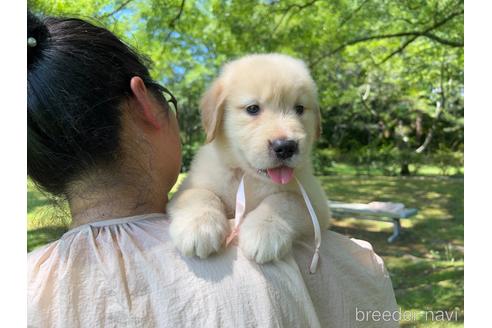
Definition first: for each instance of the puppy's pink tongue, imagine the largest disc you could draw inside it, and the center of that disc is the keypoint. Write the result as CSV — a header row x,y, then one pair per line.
x,y
281,175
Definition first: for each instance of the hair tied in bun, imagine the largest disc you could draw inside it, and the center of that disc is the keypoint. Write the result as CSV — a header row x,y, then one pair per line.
x,y
37,33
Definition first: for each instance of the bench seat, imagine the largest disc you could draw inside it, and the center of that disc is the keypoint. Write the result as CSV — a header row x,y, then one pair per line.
x,y
379,211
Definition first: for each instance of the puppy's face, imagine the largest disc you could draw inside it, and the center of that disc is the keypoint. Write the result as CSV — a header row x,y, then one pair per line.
x,y
264,110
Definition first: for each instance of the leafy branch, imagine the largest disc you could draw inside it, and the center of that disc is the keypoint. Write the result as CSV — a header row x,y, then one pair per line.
x,y
352,14
178,16
173,22
117,9
440,105
413,34
399,50
289,8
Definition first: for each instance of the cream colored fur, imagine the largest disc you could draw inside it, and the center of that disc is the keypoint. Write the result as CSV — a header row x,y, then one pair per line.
x,y
238,145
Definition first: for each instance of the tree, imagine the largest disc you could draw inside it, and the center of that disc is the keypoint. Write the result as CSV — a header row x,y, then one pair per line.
x,y
389,73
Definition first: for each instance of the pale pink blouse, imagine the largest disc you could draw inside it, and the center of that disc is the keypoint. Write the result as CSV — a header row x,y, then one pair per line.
x,y
126,273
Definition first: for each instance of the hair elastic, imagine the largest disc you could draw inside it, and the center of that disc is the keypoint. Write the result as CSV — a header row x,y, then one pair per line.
x,y
31,42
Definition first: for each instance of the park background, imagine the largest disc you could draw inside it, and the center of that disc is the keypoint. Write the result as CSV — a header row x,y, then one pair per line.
x,y
391,88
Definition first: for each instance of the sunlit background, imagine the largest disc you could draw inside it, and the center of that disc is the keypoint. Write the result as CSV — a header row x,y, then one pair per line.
x,y
390,79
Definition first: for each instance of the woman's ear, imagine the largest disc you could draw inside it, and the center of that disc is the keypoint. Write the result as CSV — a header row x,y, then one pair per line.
x,y
143,98
212,108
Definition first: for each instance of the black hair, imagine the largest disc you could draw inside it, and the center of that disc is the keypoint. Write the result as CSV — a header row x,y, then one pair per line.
x,y
78,76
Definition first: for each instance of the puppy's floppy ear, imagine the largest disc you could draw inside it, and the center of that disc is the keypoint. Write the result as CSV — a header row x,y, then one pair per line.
x,y
212,108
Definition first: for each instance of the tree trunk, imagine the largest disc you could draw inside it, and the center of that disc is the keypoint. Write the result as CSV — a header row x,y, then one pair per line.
x,y
404,169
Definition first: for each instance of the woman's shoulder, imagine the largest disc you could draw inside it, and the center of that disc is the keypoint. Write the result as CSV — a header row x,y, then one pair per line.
x,y
350,277
91,245
39,256
342,251
129,271
354,251
92,266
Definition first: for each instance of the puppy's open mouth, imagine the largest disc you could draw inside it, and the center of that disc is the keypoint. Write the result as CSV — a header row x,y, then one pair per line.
x,y
280,175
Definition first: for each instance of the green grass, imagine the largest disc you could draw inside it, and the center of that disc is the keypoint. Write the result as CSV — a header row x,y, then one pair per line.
x,y
337,168
426,265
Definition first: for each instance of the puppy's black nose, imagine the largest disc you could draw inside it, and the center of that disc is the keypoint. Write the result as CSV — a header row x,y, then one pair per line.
x,y
284,148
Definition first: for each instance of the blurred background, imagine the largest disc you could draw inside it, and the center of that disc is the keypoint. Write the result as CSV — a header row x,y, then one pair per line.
x,y
391,89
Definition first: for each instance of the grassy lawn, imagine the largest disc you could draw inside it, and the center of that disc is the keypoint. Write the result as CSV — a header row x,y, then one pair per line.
x,y
426,264
393,170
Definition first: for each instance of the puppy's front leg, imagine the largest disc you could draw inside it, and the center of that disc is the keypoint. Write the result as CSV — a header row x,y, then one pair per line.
x,y
199,225
267,232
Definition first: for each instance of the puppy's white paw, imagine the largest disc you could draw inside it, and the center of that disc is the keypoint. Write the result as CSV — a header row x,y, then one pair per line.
x,y
264,239
201,234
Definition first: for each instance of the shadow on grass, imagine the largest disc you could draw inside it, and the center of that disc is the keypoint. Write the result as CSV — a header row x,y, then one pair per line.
x,y
427,263
41,236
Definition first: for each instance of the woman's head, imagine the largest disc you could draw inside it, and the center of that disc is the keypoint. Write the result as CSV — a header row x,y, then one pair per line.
x,y
92,107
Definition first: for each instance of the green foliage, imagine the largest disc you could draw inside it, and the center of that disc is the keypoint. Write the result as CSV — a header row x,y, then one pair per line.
x,y
384,160
381,66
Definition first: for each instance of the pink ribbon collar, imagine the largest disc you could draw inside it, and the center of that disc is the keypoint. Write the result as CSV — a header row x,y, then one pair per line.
x,y
241,208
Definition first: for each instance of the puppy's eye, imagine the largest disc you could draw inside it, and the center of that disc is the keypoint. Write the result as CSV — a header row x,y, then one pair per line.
x,y
253,109
299,109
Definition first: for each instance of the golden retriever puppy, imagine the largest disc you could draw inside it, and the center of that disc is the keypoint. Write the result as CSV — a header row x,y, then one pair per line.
x,y
261,117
